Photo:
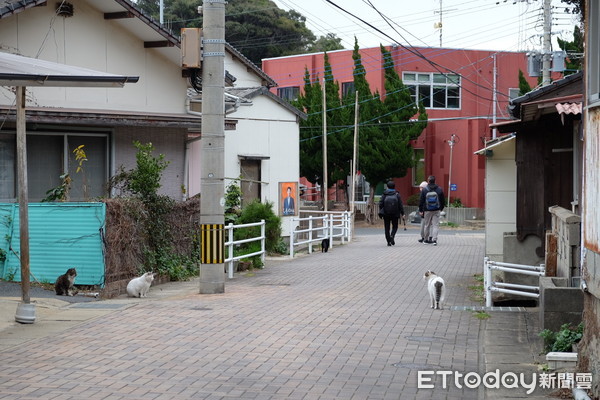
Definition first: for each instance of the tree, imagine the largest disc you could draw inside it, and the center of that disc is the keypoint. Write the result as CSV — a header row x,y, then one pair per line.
x,y
385,149
524,86
311,149
574,51
328,42
257,28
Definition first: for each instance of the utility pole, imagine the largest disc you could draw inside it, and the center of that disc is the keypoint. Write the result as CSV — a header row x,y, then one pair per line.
x,y
354,156
212,187
324,189
495,94
547,44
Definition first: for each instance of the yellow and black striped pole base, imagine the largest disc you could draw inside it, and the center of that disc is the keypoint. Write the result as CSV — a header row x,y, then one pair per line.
x,y
213,243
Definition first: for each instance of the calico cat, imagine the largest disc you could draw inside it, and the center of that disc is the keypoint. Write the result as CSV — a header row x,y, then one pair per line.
x,y
324,245
436,288
64,283
138,287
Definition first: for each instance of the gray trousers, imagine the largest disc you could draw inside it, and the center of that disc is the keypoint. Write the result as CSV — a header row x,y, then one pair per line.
x,y
431,224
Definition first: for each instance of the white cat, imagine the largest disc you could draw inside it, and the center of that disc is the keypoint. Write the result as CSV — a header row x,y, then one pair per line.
x,y
138,287
436,288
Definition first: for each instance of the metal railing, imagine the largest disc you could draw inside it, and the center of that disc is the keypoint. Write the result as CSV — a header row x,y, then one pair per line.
x,y
330,225
509,288
230,243
456,215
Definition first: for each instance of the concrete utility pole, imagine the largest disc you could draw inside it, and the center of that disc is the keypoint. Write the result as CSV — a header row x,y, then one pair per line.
x,y
212,187
325,183
547,46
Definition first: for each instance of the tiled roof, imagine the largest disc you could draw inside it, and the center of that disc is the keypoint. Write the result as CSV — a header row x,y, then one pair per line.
x,y
10,7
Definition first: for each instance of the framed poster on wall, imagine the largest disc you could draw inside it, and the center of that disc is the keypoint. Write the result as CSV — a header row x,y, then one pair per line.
x,y
288,198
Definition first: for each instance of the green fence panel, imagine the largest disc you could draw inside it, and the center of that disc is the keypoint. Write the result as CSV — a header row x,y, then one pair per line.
x,y
61,236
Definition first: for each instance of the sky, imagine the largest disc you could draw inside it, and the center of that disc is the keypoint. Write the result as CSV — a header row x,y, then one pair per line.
x,y
509,25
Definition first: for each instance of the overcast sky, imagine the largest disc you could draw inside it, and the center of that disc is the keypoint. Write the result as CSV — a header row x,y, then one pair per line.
x,y
475,24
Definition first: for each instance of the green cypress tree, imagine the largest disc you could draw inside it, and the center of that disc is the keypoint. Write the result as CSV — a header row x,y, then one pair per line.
x,y
386,126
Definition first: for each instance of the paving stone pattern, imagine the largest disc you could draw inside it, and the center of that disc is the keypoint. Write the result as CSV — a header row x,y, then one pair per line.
x,y
353,323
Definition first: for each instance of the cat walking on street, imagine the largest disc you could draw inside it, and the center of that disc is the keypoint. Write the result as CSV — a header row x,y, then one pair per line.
x,y
436,288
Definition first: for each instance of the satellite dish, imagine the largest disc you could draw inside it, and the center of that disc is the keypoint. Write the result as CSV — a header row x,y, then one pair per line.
x,y
437,25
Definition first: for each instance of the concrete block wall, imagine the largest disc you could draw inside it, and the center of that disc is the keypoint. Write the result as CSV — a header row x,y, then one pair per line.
x,y
566,226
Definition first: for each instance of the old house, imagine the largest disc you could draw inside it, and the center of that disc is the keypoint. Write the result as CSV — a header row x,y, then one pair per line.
x,y
590,261
536,167
162,108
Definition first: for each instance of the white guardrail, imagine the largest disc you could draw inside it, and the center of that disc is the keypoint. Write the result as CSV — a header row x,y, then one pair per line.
x,y
330,224
510,288
230,243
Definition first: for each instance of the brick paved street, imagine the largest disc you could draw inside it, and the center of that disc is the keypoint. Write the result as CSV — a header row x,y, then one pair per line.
x,y
353,323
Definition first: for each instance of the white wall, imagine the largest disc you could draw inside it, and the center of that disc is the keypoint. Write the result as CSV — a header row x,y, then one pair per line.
x,y
244,76
88,40
501,198
264,129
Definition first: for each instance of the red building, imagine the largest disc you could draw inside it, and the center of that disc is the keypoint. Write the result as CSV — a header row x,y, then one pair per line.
x,y
461,89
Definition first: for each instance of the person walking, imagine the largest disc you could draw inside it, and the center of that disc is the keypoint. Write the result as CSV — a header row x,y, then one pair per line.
x,y
431,203
390,208
422,186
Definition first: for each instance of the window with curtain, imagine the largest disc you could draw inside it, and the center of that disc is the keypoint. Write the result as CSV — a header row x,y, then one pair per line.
x,y
48,157
8,170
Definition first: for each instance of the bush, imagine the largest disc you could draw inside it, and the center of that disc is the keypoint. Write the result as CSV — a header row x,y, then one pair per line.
x,y
562,340
413,200
255,212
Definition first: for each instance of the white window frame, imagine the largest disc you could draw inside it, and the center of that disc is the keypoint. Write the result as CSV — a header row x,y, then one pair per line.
x,y
432,82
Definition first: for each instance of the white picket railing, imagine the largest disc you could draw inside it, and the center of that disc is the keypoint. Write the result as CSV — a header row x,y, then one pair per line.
x,y
331,225
510,288
230,243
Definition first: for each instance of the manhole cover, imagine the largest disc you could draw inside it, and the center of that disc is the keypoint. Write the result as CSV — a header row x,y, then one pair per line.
x,y
201,308
99,305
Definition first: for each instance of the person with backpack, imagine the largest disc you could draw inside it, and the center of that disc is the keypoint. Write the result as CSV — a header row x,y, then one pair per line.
x,y
431,203
390,209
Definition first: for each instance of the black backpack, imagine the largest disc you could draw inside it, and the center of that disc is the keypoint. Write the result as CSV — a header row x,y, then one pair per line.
x,y
390,204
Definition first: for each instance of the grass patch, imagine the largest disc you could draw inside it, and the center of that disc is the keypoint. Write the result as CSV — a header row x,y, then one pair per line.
x,y
481,315
477,290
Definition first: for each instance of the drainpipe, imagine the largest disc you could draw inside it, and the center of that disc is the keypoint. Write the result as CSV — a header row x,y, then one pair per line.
x,y
186,172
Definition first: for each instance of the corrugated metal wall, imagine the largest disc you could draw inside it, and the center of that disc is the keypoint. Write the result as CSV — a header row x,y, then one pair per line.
x,y
61,236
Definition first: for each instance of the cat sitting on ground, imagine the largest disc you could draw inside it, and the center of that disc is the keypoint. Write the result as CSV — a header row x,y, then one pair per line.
x,y
436,288
64,283
138,287
324,245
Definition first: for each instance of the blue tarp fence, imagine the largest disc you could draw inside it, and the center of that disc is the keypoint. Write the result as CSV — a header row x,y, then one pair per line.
x,y
61,236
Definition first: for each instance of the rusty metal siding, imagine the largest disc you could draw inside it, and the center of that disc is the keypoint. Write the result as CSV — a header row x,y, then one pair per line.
x,y
591,183
61,236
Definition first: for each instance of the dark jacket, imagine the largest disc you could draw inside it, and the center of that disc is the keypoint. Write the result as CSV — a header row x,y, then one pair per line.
x,y
427,189
392,192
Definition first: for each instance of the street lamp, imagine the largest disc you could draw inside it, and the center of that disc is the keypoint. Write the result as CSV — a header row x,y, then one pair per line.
x,y
453,140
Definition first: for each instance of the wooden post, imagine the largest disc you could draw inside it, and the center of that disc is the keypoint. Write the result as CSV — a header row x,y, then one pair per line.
x,y
23,196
